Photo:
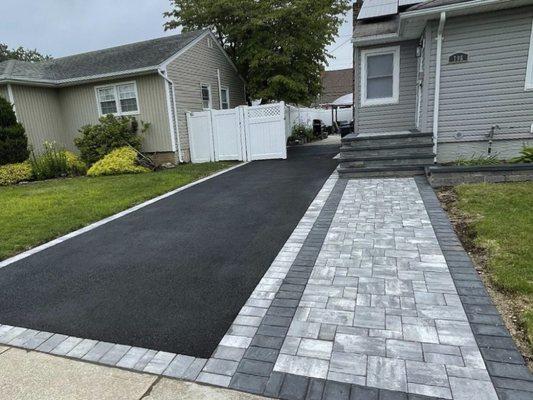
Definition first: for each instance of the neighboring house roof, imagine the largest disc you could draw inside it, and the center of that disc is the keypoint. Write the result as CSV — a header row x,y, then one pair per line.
x,y
335,84
140,56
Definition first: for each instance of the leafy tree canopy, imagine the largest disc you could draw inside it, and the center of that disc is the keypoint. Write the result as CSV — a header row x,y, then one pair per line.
x,y
21,54
279,46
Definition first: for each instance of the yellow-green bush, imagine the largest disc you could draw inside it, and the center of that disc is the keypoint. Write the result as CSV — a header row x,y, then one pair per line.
x,y
119,161
15,173
74,164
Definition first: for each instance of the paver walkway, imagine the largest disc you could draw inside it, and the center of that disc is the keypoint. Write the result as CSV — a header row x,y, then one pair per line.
x,y
380,308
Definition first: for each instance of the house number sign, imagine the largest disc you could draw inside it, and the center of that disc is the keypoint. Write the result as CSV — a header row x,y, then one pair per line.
x,y
458,58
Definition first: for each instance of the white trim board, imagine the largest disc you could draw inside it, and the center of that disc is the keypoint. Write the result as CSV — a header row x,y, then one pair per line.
x,y
104,221
529,72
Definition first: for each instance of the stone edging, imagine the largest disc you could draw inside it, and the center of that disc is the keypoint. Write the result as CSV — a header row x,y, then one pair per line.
x,y
453,175
505,365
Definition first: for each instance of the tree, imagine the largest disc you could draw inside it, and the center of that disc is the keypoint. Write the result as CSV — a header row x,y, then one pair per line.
x,y
279,46
21,54
13,140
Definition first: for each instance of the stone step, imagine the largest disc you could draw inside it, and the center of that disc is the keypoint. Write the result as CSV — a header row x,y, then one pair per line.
x,y
403,160
387,140
386,150
379,172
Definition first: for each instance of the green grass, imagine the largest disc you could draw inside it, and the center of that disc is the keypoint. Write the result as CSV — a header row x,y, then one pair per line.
x,y
38,212
502,217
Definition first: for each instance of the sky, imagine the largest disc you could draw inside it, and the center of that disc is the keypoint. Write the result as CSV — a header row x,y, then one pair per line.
x,y
65,27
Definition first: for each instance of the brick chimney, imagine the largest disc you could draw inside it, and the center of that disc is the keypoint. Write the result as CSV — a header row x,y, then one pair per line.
x,y
357,4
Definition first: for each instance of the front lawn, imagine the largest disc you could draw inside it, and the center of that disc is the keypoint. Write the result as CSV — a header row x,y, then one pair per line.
x,y
498,222
37,212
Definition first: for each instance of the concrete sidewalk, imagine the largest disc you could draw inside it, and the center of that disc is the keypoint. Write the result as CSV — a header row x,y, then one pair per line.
x,y
30,375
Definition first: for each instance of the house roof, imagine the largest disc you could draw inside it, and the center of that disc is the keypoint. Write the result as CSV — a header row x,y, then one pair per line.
x,y
132,57
335,84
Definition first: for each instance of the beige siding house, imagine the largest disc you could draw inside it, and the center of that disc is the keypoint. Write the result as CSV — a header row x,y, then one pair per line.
x,y
156,81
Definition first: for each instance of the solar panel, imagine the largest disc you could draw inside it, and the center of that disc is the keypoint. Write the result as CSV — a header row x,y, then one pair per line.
x,y
378,8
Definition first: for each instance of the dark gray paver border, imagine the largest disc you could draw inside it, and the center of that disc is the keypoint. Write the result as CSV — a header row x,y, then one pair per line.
x,y
505,365
255,371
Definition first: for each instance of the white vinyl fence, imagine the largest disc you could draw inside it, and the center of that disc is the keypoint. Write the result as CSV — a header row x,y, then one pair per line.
x,y
250,133
243,133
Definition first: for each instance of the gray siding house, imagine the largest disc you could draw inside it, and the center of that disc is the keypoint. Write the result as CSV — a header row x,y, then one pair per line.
x,y
461,70
156,81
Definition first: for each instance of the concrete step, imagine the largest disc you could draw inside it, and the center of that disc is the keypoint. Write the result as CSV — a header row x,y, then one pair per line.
x,y
379,172
402,160
387,140
386,150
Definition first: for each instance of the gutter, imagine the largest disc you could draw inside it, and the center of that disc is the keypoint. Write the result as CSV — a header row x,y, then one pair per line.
x,y
437,83
173,121
76,81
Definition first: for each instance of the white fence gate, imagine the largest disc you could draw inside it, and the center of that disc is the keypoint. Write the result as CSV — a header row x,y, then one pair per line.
x,y
243,133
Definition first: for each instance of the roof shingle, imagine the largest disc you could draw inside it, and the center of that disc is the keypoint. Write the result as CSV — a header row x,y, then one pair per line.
x,y
146,54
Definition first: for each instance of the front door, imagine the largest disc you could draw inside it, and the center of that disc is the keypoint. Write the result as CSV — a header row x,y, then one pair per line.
x,y
419,81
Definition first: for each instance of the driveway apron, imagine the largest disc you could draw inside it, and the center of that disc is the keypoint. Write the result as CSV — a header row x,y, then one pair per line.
x,y
173,275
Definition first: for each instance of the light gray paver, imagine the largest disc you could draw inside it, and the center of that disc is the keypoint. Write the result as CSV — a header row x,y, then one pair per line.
x,y
131,358
159,362
82,348
178,366
66,346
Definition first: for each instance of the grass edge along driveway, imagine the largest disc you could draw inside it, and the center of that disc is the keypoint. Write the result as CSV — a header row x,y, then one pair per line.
x,y
496,221
37,212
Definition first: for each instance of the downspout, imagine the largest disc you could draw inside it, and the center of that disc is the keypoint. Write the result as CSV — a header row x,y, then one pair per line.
x,y
11,98
219,90
437,83
175,133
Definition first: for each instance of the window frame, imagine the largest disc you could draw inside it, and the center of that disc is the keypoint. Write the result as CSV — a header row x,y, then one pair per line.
x,y
529,69
226,89
117,99
210,96
395,51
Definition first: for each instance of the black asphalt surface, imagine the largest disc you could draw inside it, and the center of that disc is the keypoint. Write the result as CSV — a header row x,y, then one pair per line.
x,y
173,275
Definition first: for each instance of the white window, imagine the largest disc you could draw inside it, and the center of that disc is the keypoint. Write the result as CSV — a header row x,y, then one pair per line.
x,y
224,98
119,99
529,71
206,97
209,43
380,76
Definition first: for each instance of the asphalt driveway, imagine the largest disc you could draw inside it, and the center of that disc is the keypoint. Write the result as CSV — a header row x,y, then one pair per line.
x,y
173,275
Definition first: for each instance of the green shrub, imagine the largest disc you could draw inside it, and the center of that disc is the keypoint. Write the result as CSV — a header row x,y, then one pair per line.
x,y
52,163
477,160
15,173
74,165
109,134
525,157
13,140
120,161
302,131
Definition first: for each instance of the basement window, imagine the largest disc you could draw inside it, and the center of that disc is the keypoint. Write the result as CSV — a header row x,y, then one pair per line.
x,y
119,99
380,76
